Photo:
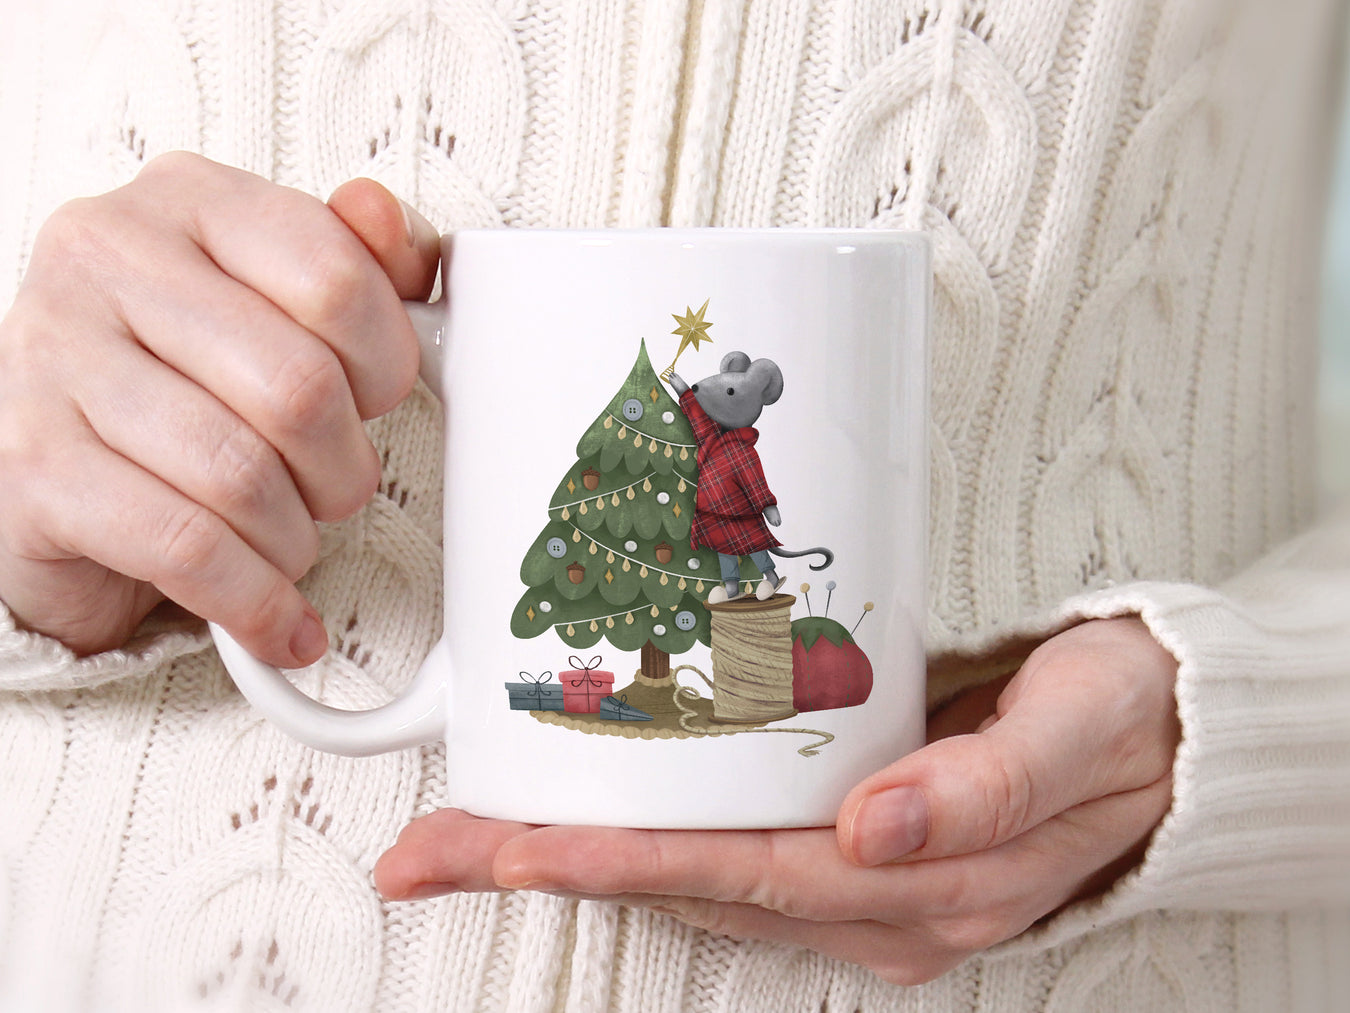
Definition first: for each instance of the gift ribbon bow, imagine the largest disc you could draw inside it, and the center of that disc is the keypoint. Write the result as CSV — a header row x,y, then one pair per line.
x,y
585,669
538,684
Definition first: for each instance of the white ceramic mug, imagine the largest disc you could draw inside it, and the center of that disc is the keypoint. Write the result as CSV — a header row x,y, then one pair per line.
x,y
583,677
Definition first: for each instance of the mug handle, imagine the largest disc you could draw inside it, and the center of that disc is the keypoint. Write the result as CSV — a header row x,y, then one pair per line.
x,y
415,716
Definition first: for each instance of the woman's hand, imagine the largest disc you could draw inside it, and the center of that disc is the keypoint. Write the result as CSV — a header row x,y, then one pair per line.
x,y
1032,794
183,378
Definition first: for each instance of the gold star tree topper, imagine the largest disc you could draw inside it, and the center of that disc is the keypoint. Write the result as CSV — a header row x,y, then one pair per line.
x,y
692,329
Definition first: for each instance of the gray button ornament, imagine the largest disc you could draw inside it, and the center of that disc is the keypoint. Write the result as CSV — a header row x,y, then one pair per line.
x,y
685,620
556,548
632,409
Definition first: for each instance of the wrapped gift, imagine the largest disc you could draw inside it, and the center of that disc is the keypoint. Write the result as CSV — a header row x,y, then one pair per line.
x,y
617,708
584,686
533,695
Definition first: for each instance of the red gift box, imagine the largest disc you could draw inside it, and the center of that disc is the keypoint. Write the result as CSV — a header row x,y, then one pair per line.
x,y
585,686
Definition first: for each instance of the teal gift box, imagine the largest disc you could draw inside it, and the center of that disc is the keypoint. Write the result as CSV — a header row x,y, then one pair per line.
x,y
617,708
535,693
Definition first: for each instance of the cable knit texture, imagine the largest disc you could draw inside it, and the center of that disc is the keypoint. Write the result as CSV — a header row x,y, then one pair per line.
x,y
1123,199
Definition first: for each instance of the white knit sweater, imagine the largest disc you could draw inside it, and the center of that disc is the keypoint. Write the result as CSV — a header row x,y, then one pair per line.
x,y
1123,197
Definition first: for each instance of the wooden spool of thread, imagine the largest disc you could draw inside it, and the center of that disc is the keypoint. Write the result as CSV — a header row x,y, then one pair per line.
x,y
752,660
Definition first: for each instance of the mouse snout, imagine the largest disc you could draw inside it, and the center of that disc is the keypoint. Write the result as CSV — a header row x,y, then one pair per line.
x,y
694,388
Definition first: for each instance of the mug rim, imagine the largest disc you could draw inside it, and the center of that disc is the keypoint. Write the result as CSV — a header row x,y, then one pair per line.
x,y
917,237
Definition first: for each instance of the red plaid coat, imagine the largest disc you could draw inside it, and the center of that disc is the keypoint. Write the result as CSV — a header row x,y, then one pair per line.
x,y
732,490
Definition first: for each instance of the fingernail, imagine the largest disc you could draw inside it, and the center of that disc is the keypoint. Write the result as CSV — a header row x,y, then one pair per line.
x,y
423,891
889,825
419,229
309,642
524,881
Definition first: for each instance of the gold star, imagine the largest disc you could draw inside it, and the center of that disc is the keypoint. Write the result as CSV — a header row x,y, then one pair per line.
x,y
693,328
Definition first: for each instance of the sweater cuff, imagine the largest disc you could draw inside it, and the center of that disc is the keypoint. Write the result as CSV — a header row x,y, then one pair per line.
x,y
33,663
1260,815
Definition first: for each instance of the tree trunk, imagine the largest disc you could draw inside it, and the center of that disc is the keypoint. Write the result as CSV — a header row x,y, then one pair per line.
x,y
655,663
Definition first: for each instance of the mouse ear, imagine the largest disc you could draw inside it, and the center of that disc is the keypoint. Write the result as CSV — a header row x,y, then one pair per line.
x,y
734,362
766,374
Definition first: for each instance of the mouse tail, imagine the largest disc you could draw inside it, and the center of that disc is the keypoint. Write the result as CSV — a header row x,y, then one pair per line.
x,y
820,550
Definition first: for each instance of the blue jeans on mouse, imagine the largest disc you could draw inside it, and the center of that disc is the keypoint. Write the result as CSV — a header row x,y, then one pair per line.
x,y
731,567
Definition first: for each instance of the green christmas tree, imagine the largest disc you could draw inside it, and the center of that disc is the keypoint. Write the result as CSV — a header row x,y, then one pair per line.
x,y
614,559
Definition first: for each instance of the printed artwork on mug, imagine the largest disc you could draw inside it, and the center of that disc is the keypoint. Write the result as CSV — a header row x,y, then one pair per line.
x,y
659,537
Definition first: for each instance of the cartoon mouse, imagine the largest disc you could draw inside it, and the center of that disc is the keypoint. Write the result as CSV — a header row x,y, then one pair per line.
x,y
734,501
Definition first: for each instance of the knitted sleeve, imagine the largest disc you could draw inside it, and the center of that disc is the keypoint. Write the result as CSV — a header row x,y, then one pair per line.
x,y
30,662
1260,815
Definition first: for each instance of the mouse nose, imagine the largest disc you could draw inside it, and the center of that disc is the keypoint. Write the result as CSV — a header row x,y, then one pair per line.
x,y
694,388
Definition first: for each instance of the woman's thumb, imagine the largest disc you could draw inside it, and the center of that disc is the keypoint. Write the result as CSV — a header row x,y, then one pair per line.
x,y
1091,713
973,792
404,243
